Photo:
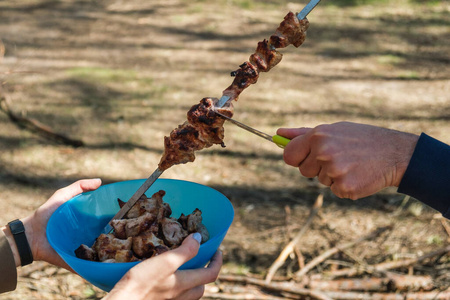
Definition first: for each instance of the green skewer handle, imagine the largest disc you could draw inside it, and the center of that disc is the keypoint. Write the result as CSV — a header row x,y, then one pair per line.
x,y
280,140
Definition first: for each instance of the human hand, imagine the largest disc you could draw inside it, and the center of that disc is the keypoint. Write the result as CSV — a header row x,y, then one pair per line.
x,y
355,160
36,224
158,278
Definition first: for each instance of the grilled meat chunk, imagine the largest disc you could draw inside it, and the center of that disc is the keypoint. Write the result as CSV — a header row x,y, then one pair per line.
x,y
144,244
202,129
107,245
173,232
291,31
86,253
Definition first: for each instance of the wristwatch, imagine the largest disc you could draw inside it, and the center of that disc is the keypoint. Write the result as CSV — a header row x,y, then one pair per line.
x,y
18,232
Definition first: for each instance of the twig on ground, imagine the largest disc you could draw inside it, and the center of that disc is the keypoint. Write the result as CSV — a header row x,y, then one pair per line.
x,y
435,295
317,260
392,282
36,127
297,252
350,272
227,296
444,223
233,291
279,286
289,248
402,206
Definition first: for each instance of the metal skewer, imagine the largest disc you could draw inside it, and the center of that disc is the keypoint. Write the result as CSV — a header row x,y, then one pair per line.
x,y
277,139
138,194
307,9
155,175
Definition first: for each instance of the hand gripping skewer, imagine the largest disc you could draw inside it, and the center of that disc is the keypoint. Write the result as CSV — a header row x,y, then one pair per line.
x,y
155,175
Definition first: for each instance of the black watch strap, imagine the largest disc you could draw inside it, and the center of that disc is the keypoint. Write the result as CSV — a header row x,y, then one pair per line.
x,y
18,232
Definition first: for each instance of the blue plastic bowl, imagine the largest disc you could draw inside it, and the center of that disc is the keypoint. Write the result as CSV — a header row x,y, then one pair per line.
x,y
81,220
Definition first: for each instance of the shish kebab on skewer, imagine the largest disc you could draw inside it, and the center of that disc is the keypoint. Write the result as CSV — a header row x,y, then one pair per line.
x,y
204,127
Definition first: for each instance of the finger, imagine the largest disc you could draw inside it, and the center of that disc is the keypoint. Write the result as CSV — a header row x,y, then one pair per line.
x,y
296,150
78,187
310,167
192,294
344,189
291,133
324,178
171,260
201,276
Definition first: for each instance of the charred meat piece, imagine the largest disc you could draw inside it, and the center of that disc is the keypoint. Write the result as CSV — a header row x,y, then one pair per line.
x,y
172,231
207,122
291,31
86,253
193,223
107,245
144,244
193,220
132,227
244,76
125,256
265,58
179,147
202,129
203,232
161,249
151,205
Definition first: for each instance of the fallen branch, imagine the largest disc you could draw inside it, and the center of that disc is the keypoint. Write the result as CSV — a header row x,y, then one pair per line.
x,y
240,292
289,248
350,272
286,287
444,223
400,282
365,285
445,295
393,282
37,127
319,259
297,252
228,296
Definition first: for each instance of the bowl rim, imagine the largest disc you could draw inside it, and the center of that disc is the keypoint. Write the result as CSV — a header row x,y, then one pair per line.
x,y
60,251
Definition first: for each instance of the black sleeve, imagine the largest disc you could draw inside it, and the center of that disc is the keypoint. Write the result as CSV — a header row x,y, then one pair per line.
x,y
427,177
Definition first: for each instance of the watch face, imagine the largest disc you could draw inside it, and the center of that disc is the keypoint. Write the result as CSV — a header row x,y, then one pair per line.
x,y
16,226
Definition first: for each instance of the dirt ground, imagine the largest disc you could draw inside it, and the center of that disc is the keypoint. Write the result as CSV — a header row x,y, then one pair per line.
x,y
119,75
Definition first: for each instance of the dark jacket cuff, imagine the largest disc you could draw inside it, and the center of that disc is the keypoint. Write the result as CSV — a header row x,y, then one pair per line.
x,y
427,177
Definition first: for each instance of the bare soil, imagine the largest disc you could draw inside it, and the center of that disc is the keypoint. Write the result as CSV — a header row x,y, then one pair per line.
x,y
119,75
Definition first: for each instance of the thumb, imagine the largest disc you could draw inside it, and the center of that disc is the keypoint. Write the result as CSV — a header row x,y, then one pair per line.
x,y
78,187
188,249
68,192
171,260
291,133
